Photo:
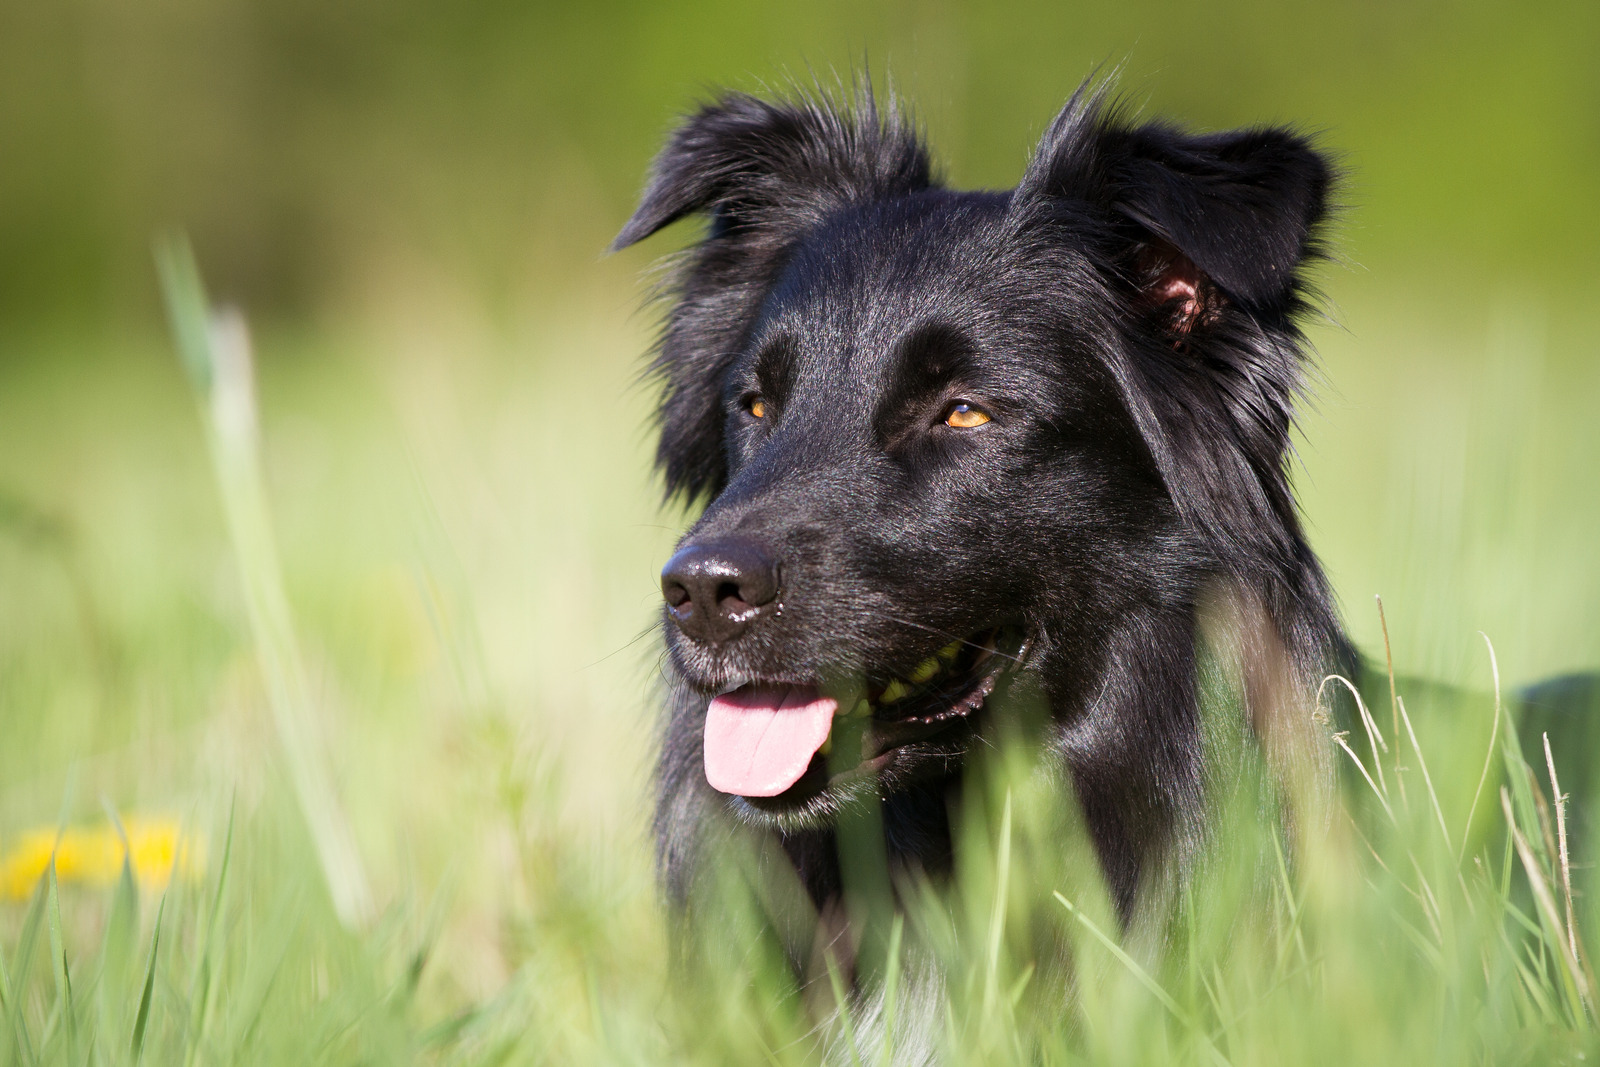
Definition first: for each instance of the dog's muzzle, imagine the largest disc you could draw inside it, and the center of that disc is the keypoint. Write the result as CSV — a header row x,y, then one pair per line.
x,y
715,589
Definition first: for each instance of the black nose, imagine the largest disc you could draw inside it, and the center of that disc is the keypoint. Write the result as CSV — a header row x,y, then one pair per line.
x,y
714,589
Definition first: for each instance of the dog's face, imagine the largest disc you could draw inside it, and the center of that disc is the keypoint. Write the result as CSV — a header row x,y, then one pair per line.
x,y
922,419
909,396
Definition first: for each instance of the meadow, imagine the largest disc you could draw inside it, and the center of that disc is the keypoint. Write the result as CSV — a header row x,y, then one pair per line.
x,y
328,671
359,658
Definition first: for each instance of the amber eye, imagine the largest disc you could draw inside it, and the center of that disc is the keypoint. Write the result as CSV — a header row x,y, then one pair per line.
x,y
758,407
964,416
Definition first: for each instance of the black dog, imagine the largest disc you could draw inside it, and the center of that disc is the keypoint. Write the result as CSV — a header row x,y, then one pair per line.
x,y
958,446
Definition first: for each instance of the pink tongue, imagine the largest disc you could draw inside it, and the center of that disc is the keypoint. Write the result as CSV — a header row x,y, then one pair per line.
x,y
760,739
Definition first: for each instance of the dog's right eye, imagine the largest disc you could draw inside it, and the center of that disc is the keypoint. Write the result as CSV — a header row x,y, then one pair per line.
x,y
964,416
757,407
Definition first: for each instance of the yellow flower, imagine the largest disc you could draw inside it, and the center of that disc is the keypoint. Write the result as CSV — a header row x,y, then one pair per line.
x,y
24,862
156,849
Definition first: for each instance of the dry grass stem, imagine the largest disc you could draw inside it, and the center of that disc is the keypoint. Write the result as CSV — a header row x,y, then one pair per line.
x,y
1394,697
1339,739
1547,903
1368,723
1488,757
1427,780
1561,842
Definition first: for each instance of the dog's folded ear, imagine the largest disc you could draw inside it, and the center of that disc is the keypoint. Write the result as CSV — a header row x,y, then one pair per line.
x,y
1229,216
765,172
754,163
1206,240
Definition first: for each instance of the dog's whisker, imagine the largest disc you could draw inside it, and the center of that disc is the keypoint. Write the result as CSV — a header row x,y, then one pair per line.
x,y
640,636
937,631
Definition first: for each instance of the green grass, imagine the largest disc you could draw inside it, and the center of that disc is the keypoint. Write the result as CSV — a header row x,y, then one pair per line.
x,y
458,520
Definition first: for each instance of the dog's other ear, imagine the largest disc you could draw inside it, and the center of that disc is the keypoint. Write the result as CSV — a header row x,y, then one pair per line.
x,y
751,162
1206,239
1229,216
766,172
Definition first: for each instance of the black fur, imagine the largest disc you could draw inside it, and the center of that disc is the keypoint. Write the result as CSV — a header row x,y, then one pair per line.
x,y
1127,316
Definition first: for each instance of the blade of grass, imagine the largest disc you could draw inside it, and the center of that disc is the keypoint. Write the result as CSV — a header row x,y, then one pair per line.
x,y
997,915
1488,757
891,986
1566,863
5,984
1522,919
1294,936
1505,872
1427,780
257,999
29,938
215,350
58,961
846,1023
1221,1004
1429,902
1535,989
123,920
1374,735
1547,830
1020,986
222,879
1561,833
1520,778
1339,739
203,986
118,941
1573,974
1394,699
142,1017
1145,979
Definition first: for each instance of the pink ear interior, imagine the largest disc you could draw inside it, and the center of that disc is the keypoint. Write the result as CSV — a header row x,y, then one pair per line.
x,y
1170,281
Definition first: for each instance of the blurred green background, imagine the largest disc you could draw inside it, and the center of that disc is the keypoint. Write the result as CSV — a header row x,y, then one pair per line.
x,y
410,201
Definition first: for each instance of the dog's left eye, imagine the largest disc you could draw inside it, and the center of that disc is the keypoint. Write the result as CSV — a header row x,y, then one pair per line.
x,y
757,407
964,416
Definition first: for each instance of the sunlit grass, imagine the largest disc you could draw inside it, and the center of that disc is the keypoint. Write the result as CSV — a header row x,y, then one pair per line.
x,y
468,542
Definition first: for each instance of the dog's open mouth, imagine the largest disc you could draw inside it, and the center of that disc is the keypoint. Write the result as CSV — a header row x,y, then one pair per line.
x,y
777,745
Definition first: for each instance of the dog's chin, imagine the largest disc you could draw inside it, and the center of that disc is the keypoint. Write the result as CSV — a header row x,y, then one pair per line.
x,y
892,733
825,794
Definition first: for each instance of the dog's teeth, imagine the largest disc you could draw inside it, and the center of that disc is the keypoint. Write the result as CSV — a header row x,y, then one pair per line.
x,y
926,669
859,710
827,745
894,691
950,651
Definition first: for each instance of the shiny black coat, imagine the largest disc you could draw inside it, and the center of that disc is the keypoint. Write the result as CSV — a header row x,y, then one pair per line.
x,y
1127,317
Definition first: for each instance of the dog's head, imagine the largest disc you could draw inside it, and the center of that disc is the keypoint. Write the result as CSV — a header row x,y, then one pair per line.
x,y
942,435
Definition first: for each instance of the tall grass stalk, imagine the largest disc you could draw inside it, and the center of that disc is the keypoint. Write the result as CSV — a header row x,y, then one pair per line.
x,y
215,350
